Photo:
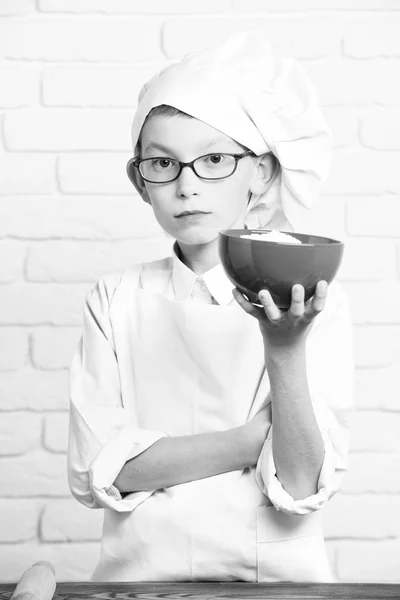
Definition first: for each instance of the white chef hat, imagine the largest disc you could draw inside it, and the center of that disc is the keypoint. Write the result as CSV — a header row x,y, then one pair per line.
x,y
265,103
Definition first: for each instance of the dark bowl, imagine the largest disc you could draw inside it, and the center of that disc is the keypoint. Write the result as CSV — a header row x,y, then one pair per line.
x,y
253,265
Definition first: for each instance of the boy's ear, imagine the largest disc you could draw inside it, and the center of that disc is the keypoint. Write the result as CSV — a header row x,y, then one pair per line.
x,y
264,171
137,180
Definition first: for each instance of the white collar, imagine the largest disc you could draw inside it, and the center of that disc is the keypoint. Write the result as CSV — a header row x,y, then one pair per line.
x,y
183,280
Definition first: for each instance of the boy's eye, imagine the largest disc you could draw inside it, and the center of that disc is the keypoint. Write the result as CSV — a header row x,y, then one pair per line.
x,y
164,163
215,158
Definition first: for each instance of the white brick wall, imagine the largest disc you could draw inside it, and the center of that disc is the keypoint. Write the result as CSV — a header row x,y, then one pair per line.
x,y
318,36
67,39
69,214
359,43
356,83
68,130
98,85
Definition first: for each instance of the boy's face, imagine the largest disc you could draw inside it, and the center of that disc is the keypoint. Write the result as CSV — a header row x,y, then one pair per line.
x,y
223,202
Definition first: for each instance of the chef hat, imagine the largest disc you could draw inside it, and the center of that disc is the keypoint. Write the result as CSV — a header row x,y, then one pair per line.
x,y
266,104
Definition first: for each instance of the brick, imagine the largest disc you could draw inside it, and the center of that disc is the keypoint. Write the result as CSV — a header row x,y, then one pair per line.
x,y
1,136
14,350
49,39
85,261
19,520
329,215
20,432
378,389
53,347
381,130
374,303
70,521
344,123
72,562
398,260
376,517
357,83
83,129
376,345
127,6
19,86
16,7
56,432
78,217
38,174
36,304
363,172
373,562
38,473
12,259
378,259
316,37
363,218
300,5
96,85
94,174
372,431
372,473
359,43
34,390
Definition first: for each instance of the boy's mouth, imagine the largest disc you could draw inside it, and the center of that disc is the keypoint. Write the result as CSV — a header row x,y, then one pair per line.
x,y
187,213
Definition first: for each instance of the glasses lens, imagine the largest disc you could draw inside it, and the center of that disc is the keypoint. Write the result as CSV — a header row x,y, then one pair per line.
x,y
159,170
215,166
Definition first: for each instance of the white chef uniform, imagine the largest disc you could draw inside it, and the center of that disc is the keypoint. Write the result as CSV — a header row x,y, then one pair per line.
x,y
153,362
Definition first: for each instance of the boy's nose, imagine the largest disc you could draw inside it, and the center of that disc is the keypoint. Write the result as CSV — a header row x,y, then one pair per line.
x,y
187,183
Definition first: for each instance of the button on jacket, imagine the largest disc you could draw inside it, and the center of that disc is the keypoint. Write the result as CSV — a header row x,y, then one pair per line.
x,y
167,353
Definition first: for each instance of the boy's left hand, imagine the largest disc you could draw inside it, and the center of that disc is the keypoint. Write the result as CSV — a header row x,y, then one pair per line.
x,y
285,328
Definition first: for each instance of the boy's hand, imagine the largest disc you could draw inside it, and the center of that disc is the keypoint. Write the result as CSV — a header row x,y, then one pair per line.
x,y
259,425
285,329
255,433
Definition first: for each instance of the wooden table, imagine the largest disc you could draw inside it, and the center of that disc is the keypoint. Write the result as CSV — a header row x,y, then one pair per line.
x,y
207,591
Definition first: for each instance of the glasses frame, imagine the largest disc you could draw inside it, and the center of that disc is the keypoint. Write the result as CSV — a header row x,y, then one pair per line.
x,y
137,162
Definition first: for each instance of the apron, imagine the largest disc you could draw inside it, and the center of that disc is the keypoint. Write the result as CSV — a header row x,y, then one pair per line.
x,y
200,368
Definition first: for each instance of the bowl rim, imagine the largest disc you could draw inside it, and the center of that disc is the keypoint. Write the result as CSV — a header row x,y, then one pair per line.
x,y
332,241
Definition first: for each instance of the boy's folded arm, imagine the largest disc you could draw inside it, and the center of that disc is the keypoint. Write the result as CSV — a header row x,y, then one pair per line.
x,y
175,460
104,438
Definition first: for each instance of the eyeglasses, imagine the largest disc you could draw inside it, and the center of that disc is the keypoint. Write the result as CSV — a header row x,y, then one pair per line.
x,y
162,169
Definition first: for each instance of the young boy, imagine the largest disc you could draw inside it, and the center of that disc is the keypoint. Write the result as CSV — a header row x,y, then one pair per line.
x,y
213,431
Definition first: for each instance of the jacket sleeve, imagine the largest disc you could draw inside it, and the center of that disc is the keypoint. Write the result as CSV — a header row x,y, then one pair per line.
x,y
103,433
330,368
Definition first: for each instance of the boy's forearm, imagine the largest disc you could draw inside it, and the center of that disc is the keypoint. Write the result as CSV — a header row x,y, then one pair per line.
x,y
175,460
297,442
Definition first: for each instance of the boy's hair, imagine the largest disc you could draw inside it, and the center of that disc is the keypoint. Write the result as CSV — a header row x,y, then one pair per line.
x,y
165,110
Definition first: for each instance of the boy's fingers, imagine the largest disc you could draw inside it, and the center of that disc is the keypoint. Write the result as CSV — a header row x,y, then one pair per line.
x,y
320,295
297,303
270,308
318,301
245,304
254,311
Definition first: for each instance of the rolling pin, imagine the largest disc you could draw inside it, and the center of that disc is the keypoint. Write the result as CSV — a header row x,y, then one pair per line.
x,y
37,583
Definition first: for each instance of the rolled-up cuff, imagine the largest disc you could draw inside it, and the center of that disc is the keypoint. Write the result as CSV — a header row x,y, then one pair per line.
x,y
128,442
270,485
